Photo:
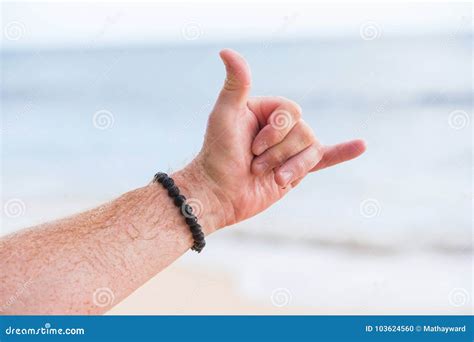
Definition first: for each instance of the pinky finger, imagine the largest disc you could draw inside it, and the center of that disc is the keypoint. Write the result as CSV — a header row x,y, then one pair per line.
x,y
298,166
340,153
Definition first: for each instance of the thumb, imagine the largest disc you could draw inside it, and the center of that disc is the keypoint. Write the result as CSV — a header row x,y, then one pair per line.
x,y
238,80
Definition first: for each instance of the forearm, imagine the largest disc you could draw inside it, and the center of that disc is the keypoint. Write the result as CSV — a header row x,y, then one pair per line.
x,y
61,267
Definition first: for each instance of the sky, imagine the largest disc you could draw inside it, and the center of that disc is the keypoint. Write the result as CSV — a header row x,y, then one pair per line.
x,y
59,23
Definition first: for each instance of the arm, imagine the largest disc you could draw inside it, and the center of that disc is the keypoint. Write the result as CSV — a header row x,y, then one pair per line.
x,y
255,151
86,263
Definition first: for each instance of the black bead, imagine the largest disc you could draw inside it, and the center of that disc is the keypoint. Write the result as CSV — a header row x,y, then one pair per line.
x,y
173,191
191,220
179,200
168,182
198,246
159,177
196,227
198,236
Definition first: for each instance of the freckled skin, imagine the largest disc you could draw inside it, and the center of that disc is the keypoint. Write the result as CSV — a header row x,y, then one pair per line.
x,y
89,262
67,260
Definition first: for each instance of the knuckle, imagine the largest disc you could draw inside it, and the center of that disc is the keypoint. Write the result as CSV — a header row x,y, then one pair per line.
x,y
296,108
276,156
318,148
292,106
306,140
301,166
275,135
306,134
316,155
230,83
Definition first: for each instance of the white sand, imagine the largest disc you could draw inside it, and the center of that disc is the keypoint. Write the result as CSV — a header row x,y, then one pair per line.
x,y
248,278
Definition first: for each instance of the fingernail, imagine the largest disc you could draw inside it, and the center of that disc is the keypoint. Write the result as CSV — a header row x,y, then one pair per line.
x,y
287,176
261,167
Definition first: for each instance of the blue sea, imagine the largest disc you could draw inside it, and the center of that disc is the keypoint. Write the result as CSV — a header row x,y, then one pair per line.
x,y
83,125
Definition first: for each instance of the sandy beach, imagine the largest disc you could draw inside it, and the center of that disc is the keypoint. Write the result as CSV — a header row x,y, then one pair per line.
x,y
293,281
181,290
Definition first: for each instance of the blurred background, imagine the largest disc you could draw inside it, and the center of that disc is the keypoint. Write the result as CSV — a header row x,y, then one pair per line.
x,y
97,97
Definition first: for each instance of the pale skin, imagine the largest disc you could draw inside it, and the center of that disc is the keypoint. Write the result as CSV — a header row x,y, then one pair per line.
x,y
256,150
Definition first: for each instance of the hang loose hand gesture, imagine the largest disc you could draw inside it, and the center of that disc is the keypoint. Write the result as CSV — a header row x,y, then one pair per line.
x,y
258,148
255,151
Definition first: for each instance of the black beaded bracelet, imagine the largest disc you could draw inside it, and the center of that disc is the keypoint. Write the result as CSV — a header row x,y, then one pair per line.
x,y
186,210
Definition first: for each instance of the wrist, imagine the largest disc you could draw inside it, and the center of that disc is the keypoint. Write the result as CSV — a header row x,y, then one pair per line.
x,y
204,196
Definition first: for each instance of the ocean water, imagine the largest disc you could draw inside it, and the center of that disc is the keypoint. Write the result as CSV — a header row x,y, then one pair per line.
x,y
80,126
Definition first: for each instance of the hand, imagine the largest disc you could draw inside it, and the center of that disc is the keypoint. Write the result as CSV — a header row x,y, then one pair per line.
x,y
256,150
